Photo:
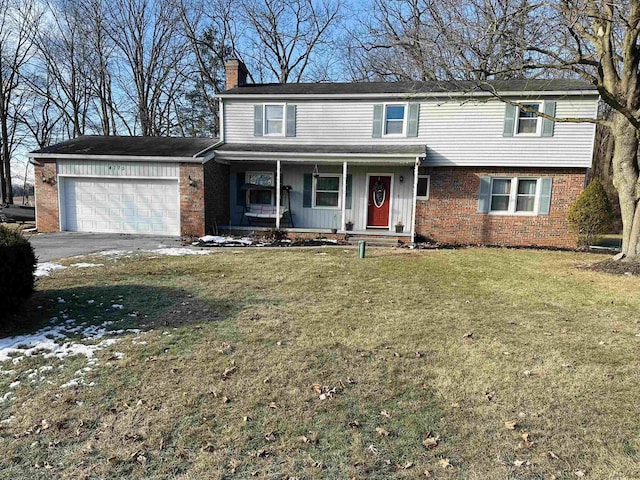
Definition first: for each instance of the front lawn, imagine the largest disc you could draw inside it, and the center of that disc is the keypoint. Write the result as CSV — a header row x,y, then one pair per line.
x,y
312,363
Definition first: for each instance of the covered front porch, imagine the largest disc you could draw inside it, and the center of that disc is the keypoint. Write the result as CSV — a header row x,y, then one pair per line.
x,y
346,195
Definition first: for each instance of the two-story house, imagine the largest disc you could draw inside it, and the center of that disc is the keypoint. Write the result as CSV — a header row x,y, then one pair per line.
x,y
455,162
449,161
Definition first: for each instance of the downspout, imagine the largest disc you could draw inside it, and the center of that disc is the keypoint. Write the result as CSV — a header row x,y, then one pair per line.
x,y
344,196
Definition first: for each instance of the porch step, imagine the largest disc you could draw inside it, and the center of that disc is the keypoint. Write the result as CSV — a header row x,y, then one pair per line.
x,y
382,241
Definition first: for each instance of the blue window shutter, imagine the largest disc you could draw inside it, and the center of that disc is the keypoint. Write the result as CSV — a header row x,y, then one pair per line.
x,y
510,112
257,121
240,193
291,121
484,199
545,196
547,125
377,120
412,119
349,191
306,191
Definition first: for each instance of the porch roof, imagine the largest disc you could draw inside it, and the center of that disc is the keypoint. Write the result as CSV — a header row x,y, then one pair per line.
x,y
404,154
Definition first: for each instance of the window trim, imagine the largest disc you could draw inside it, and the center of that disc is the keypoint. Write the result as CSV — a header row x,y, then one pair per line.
x,y
426,197
404,119
313,191
513,197
264,119
538,132
247,174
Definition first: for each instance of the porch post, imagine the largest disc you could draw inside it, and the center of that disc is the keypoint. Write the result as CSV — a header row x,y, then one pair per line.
x,y
278,195
415,200
344,196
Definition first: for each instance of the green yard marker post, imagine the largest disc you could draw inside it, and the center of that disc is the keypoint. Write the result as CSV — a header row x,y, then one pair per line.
x,y
362,246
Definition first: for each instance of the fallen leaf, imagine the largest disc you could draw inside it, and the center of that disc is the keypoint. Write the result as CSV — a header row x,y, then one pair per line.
x,y
426,473
208,447
270,437
518,463
510,425
228,372
372,449
382,432
246,418
431,442
233,465
552,455
304,439
266,380
354,424
225,399
579,473
444,463
384,413
273,405
468,335
489,395
406,466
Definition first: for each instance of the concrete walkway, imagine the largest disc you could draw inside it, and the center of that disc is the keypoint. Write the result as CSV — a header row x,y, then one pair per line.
x,y
53,246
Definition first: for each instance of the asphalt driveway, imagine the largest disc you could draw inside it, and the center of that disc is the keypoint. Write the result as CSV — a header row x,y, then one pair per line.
x,y
53,246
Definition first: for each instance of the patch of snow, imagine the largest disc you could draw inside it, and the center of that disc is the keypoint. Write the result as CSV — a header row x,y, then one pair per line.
x,y
178,252
6,396
7,420
71,383
91,302
87,265
45,268
219,240
117,306
114,253
14,384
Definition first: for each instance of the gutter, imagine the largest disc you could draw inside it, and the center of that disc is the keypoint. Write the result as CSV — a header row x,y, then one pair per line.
x,y
120,158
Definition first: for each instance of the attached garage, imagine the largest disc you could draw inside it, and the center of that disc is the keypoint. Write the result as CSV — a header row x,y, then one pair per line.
x,y
128,185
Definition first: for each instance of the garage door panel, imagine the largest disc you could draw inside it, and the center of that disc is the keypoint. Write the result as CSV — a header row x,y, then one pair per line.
x,y
121,205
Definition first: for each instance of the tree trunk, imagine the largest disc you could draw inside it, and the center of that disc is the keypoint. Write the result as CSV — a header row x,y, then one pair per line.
x,y
625,179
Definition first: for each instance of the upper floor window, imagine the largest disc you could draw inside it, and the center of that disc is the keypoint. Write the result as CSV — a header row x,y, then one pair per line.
x,y
394,119
528,120
273,119
278,120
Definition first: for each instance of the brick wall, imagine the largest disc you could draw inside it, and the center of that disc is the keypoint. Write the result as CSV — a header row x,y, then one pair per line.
x,y
191,199
451,213
47,214
216,195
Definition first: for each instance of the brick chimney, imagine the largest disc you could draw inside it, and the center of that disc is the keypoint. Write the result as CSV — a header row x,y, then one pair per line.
x,y
236,73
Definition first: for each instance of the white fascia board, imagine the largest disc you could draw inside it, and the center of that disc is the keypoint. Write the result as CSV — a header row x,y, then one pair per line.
x,y
115,158
404,95
338,158
211,152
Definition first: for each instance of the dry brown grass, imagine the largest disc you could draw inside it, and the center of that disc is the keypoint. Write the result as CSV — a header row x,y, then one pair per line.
x,y
454,344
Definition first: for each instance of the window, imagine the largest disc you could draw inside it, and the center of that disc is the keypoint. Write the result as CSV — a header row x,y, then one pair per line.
x,y
273,119
326,191
394,120
514,195
528,121
260,196
423,187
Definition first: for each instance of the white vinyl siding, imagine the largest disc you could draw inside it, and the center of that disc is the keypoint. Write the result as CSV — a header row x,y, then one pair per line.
x,y
463,134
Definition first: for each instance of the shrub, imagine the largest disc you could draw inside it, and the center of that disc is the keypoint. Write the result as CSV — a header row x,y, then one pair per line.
x,y
17,264
591,214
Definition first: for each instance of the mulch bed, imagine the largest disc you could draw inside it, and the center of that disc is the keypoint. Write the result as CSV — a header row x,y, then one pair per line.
x,y
615,267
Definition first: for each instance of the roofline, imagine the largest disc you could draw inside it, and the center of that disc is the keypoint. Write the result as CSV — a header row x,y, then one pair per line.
x,y
233,155
211,154
122,158
346,96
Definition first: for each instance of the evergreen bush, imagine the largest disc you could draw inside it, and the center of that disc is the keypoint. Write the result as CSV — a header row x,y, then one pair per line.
x,y
591,214
17,265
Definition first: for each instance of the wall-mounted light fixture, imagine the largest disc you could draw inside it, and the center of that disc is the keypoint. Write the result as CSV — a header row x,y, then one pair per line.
x,y
401,178
51,179
192,182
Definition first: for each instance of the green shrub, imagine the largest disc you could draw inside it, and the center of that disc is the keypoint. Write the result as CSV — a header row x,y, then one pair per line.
x,y
17,264
591,214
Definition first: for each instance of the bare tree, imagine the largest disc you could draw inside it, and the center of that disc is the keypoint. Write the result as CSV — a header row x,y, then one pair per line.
x,y
445,39
17,22
153,55
285,37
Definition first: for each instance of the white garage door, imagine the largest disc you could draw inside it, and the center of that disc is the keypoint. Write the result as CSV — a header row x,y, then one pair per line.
x,y
120,205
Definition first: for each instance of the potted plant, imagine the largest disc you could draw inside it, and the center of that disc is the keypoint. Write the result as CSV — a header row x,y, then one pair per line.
x,y
399,226
349,225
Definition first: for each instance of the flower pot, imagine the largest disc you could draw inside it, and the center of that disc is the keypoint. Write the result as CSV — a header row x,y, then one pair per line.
x,y
348,226
334,230
399,228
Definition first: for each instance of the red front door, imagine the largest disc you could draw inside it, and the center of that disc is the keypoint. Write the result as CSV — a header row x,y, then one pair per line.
x,y
379,199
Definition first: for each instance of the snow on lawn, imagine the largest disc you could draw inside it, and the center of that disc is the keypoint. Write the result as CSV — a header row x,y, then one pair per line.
x,y
45,268
87,265
224,241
